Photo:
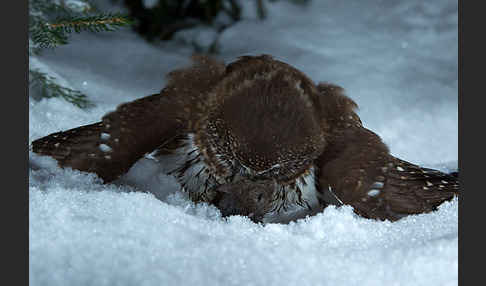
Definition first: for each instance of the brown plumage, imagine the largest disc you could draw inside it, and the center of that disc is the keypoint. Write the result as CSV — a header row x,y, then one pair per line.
x,y
254,137
248,198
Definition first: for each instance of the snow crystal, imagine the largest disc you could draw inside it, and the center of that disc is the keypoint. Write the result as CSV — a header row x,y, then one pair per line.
x,y
397,60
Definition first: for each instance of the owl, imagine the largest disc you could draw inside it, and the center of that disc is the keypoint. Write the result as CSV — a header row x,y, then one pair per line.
x,y
254,137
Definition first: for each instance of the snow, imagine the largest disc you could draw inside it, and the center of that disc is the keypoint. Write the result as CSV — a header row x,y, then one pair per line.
x,y
396,59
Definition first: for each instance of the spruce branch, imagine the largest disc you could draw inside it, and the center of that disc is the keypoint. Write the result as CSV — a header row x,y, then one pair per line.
x,y
50,23
96,23
47,34
43,37
49,88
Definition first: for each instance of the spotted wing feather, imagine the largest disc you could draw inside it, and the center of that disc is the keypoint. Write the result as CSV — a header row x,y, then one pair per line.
x,y
110,147
359,171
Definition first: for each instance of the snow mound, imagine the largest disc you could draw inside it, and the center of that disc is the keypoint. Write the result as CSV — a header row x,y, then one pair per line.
x,y
397,60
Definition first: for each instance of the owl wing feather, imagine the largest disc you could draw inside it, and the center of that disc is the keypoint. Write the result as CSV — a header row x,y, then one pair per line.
x,y
358,170
110,147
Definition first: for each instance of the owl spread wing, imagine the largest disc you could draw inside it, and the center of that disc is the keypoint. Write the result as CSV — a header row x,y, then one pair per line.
x,y
110,147
358,170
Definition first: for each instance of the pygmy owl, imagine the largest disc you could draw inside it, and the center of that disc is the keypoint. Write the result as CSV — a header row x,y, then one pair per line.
x,y
253,137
